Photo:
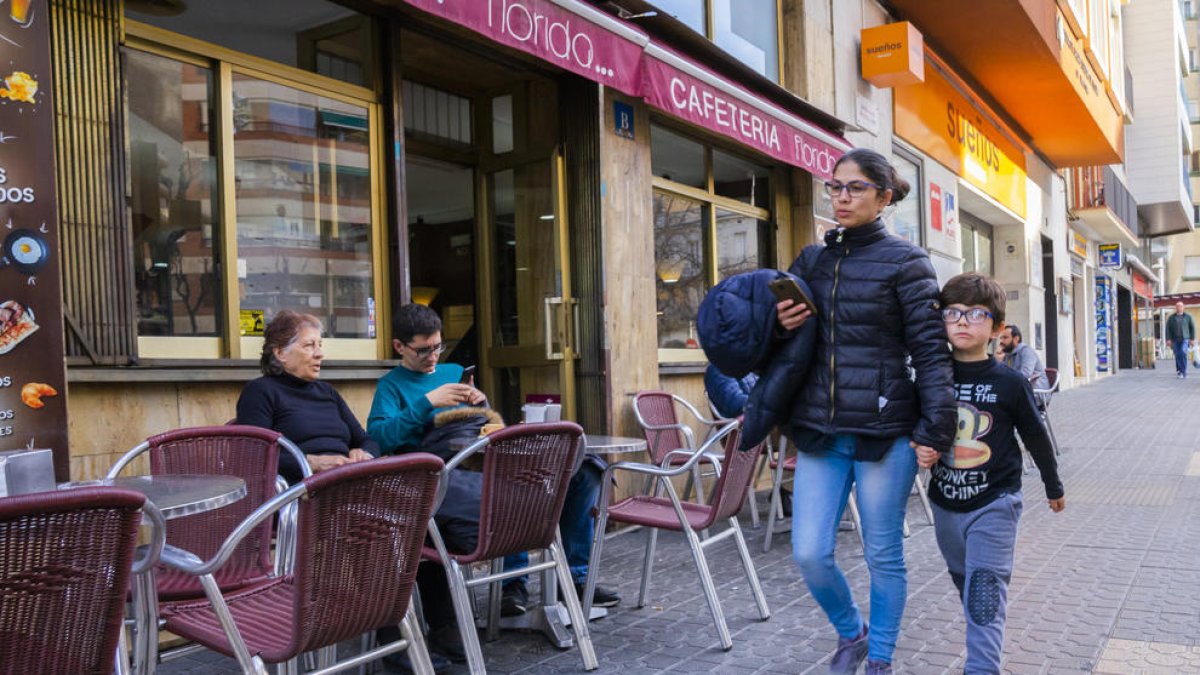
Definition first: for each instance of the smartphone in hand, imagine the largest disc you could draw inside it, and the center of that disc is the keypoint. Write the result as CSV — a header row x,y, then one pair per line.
x,y
467,375
786,288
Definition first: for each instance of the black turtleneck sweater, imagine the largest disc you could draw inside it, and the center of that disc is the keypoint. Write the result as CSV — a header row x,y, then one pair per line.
x,y
311,414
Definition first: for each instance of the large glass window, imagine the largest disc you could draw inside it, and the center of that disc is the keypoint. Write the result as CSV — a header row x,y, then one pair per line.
x,y
254,183
711,221
173,203
746,29
977,244
303,194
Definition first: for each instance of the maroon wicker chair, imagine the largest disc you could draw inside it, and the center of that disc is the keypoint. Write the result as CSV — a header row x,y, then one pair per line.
x,y
359,534
65,563
250,453
670,442
526,471
669,513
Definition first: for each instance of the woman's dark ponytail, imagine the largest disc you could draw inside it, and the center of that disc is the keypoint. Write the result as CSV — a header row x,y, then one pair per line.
x,y
879,170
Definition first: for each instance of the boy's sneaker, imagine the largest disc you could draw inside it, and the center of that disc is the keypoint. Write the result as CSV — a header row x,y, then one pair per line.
x,y
878,668
850,653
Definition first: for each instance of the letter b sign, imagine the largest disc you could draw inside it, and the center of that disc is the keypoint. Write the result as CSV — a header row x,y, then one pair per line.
x,y
623,119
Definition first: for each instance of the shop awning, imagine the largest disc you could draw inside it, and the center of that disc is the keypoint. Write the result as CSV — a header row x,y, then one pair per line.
x,y
585,41
1168,301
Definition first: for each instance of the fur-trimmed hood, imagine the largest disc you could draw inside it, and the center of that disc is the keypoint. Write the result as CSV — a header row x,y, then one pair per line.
x,y
464,413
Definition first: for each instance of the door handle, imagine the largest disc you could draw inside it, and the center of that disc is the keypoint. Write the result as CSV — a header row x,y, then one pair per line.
x,y
548,332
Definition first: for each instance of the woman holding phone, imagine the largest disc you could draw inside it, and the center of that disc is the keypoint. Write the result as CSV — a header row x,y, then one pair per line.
x,y
879,386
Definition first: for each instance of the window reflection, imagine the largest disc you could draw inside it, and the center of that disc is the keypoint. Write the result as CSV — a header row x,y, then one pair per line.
x,y
904,218
739,179
750,32
676,158
689,12
679,260
303,191
173,205
739,243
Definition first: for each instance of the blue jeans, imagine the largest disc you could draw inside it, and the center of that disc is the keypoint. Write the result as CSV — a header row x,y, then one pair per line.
x,y
576,523
822,486
1181,356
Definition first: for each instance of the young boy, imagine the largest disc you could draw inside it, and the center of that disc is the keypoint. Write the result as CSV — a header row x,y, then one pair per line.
x,y
976,488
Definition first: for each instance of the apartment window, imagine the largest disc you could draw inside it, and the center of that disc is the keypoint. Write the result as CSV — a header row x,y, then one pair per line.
x,y
1191,267
1196,214
1193,61
1193,107
254,189
1189,9
712,220
1195,162
749,31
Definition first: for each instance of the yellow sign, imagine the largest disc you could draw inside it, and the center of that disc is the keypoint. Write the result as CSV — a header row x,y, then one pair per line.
x,y
1090,87
1078,244
893,55
251,321
954,130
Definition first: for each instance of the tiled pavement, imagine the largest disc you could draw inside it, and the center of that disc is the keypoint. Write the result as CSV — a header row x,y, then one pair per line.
x,y
1111,585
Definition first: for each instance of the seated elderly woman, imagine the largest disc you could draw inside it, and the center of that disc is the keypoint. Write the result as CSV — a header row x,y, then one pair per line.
x,y
290,399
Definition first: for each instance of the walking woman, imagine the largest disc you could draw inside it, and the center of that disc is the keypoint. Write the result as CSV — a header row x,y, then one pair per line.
x,y
880,385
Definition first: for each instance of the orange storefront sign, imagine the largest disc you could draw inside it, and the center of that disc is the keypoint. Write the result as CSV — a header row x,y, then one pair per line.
x,y
943,122
893,55
1090,86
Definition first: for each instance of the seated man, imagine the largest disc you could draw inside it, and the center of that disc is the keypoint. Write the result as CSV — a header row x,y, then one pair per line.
x,y
1021,357
407,401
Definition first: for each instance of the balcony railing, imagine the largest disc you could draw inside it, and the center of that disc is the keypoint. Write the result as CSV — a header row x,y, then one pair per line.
x,y
1129,90
1092,187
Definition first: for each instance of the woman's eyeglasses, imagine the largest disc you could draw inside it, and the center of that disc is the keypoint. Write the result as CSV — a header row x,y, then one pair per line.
x,y
856,188
426,352
975,315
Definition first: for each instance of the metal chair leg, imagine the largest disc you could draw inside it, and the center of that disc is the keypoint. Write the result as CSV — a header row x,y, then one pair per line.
x,y
699,478
763,461
1050,430
751,574
589,586
493,606
710,590
923,493
418,653
775,513
466,623
647,564
579,622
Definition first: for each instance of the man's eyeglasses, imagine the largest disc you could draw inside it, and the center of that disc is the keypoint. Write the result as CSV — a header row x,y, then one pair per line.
x,y
975,315
426,352
856,188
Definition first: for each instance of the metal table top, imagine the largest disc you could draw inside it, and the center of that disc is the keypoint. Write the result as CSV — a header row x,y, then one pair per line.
x,y
613,445
176,495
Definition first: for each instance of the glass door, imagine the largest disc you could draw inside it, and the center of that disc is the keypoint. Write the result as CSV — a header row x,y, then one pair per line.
x,y
529,309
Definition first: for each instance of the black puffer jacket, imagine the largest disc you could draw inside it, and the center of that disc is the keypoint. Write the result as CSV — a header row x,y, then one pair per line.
x,y
878,301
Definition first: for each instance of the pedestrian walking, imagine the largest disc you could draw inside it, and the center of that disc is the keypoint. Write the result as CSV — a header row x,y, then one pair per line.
x,y
1181,331
976,487
859,414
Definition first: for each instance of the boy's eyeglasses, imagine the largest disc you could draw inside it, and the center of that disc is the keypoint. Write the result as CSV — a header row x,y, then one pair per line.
x,y
856,188
426,352
975,315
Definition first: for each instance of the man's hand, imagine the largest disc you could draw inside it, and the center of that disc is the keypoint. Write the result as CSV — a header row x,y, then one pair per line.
x,y
321,463
453,394
1057,505
926,456
791,315
999,353
359,455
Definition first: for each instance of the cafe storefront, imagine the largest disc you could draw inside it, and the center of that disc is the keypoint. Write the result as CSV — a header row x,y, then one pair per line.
x,y
557,183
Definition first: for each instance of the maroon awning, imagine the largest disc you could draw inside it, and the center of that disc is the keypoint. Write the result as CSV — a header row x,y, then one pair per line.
x,y
1168,301
587,42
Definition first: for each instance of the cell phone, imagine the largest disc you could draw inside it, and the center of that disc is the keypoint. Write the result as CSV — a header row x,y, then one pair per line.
x,y
468,373
786,288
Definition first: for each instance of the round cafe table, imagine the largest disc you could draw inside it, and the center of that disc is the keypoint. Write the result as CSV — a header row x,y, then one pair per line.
x,y
176,495
613,445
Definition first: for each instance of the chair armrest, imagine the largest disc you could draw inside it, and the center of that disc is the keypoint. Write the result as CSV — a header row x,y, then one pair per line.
x,y
184,561
244,528
158,539
444,480
126,458
297,453
696,413
696,455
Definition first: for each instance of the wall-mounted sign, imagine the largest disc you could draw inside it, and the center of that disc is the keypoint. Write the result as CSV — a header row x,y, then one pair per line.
x,y
951,219
1110,255
33,407
1078,244
893,54
1103,322
935,207
943,122
623,119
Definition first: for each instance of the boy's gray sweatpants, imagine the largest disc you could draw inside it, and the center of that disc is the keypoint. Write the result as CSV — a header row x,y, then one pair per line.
x,y
978,548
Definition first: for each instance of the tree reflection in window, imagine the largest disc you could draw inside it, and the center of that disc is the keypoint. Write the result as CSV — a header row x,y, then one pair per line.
x,y
679,254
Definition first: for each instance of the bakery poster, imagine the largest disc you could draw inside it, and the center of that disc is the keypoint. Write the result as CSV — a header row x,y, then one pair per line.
x,y
33,410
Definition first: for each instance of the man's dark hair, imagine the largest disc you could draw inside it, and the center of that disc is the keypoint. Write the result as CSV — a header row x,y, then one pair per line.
x,y
1016,332
412,320
973,288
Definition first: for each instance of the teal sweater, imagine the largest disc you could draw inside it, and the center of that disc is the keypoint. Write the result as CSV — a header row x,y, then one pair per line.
x,y
400,413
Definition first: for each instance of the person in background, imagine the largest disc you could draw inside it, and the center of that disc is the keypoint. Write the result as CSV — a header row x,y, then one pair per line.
x,y
976,487
1022,358
291,399
1181,331
860,413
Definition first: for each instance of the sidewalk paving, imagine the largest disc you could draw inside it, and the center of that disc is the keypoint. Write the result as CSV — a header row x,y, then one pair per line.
x,y
1111,585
